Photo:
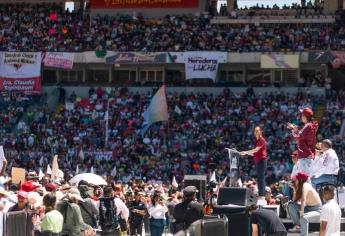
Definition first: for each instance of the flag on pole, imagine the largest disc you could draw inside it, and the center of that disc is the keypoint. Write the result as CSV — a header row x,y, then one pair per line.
x,y
55,167
49,170
113,172
213,177
157,110
92,170
41,161
174,183
40,174
77,170
81,155
177,110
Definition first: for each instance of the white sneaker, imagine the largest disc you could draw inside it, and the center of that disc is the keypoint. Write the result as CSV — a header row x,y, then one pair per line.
x,y
295,229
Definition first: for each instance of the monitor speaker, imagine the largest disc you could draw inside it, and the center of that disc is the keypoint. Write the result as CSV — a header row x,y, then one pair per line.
x,y
236,196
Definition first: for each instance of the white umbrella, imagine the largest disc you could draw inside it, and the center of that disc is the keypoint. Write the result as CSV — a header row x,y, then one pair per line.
x,y
88,177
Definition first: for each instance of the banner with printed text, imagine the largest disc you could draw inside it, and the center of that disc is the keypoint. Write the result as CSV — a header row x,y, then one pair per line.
x,y
202,65
144,4
279,61
63,60
20,71
137,58
100,155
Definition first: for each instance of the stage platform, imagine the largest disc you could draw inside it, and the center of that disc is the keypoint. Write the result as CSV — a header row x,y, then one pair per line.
x,y
313,227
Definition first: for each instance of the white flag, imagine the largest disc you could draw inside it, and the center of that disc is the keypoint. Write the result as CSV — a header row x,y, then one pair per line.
x,y
49,170
81,155
2,154
113,172
177,110
55,167
174,183
77,170
213,177
60,174
41,161
40,174
92,170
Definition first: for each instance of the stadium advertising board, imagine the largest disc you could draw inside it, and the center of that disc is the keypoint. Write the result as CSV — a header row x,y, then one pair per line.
x,y
137,58
20,71
279,61
63,60
144,4
199,65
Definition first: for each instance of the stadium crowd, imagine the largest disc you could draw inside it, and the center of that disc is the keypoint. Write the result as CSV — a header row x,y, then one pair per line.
x,y
49,28
193,141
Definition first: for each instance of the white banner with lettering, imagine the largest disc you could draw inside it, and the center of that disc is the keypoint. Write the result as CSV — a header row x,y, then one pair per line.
x,y
20,71
62,60
203,65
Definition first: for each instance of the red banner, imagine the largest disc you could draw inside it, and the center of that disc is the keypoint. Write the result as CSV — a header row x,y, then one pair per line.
x,y
27,85
144,3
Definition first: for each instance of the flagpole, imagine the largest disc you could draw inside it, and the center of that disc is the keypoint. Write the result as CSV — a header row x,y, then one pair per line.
x,y
107,125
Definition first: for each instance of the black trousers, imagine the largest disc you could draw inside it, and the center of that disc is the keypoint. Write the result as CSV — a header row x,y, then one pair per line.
x,y
260,175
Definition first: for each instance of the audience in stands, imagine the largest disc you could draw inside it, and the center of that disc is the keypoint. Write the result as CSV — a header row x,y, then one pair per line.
x,y
200,127
49,28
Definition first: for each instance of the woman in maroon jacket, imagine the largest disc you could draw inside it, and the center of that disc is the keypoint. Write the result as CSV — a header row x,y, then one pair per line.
x,y
306,140
259,153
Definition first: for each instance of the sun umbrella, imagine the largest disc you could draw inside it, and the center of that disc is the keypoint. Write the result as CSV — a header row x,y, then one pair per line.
x,y
88,177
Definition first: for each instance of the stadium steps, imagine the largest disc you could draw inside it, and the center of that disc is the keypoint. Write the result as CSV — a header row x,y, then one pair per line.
x,y
320,111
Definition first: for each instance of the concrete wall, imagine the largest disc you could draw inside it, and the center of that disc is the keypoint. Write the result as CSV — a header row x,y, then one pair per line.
x,y
83,91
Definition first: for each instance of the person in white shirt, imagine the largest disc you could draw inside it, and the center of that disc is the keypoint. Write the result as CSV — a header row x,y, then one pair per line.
x,y
157,212
325,167
330,214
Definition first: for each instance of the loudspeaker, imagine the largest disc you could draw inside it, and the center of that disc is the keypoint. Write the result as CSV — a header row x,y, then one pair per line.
x,y
239,224
236,196
199,181
215,226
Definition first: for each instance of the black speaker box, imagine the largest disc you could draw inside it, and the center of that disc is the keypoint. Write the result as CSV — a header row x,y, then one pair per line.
x,y
199,181
236,196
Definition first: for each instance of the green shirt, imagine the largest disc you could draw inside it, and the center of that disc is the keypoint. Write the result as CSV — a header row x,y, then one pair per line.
x,y
52,222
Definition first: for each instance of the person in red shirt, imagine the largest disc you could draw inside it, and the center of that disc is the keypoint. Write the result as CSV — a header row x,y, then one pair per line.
x,y
306,140
259,153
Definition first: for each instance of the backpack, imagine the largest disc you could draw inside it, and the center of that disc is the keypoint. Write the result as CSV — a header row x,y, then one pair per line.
x,y
108,219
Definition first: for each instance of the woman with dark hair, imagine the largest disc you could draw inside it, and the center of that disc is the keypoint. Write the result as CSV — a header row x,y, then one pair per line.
x,y
305,206
259,153
157,212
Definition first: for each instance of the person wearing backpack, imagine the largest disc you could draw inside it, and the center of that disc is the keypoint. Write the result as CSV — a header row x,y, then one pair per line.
x,y
73,223
88,208
110,210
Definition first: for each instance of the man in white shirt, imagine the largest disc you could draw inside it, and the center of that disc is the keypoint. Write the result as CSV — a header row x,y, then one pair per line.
x,y
325,167
330,214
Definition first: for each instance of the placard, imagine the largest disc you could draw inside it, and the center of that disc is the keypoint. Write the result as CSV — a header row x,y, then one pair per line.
x,y
18,175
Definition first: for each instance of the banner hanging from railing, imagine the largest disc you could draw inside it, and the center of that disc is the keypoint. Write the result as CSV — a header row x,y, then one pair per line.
x,y
63,60
199,65
137,58
279,61
20,71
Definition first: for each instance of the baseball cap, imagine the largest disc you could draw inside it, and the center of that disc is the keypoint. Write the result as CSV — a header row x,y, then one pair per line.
x,y
302,176
28,186
190,190
22,194
307,112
